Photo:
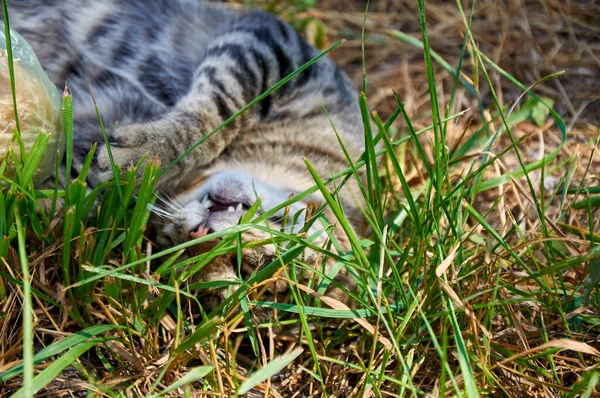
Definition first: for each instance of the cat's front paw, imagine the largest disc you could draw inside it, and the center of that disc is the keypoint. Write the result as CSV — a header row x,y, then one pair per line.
x,y
126,153
102,169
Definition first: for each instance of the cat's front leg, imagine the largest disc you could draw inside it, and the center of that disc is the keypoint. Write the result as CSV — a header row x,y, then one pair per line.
x,y
165,139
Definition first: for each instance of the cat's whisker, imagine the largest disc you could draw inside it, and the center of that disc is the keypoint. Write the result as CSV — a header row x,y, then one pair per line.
x,y
162,215
156,208
174,201
160,212
169,204
166,217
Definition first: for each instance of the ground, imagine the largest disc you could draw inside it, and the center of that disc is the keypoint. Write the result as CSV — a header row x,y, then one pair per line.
x,y
475,284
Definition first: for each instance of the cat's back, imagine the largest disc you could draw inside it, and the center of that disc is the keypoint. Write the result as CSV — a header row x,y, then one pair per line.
x,y
118,31
131,29
137,56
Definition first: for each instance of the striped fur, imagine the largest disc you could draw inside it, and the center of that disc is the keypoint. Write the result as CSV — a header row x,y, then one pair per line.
x,y
164,73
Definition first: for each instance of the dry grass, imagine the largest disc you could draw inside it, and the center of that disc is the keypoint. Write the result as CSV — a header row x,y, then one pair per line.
x,y
505,316
529,39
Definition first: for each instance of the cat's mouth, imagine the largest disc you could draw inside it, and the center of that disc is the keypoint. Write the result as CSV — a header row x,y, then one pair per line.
x,y
215,208
214,205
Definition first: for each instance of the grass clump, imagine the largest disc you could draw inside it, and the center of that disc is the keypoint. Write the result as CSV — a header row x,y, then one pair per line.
x,y
480,277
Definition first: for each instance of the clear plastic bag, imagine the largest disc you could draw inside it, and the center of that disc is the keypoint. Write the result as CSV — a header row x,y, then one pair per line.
x,y
38,105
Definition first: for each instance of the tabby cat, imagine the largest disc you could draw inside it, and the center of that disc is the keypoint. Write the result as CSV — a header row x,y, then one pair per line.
x,y
164,73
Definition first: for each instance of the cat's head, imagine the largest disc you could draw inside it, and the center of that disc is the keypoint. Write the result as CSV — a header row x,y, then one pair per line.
x,y
220,199
218,202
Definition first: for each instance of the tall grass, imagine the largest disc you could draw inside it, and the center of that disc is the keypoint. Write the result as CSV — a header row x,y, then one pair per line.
x,y
434,280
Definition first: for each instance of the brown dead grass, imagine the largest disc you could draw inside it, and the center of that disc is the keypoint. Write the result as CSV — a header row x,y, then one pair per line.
x,y
529,39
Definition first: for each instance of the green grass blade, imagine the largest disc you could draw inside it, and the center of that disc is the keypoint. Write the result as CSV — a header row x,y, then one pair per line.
x,y
28,390
115,168
54,369
592,384
408,39
400,174
463,355
323,312
33,158
337,211
372,167
140,212
202,333
67,117
192,376
59,347
135,279
268,371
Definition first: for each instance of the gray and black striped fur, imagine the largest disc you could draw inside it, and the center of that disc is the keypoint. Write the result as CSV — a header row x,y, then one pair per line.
x,y
166,72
